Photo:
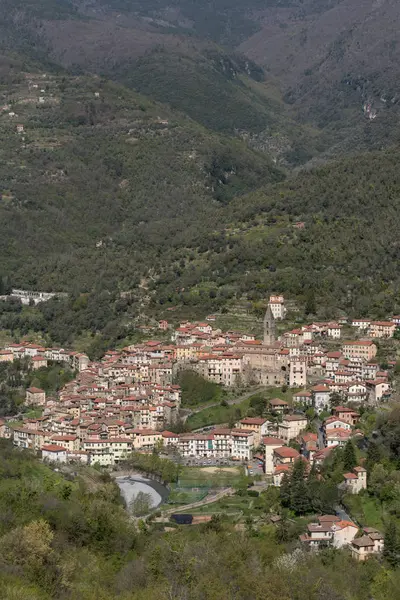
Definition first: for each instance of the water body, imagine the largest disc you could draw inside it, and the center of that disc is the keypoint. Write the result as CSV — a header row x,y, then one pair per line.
x,y
130,486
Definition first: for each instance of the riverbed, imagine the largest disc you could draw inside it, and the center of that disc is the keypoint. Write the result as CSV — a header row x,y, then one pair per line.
x,y
131,485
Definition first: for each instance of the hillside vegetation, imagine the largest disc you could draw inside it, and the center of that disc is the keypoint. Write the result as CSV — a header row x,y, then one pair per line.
x,y
68,537
98,167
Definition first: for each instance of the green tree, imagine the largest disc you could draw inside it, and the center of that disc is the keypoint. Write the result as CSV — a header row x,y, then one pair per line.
x,y
391,550
374,455
284,489
299,497
349,456
140,505
310,306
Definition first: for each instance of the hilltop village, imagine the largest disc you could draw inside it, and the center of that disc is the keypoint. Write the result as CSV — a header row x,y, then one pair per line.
x,y
128,402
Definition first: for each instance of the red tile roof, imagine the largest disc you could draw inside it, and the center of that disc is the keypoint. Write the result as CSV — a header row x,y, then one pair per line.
x,y
286,452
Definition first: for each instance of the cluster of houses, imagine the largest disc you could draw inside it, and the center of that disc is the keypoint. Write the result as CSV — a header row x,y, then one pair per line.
x,y
331,530
127,400
111,408
39,356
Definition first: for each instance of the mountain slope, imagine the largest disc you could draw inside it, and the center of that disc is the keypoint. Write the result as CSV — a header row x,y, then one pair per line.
x,y
96,162
346,252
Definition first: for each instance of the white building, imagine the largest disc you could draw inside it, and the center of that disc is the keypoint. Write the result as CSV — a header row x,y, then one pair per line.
x,y
277,304
54,453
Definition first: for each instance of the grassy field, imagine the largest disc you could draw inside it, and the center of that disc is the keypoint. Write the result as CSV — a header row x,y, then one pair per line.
x,y
217,415
367,511
210,477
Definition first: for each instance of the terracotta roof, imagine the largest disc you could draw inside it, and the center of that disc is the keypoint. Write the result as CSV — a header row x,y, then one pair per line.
x,y
350,476
53,448
278,402
320,388
295,418
363,542
253,421
286,452
169,434
35,390
329,518
272,441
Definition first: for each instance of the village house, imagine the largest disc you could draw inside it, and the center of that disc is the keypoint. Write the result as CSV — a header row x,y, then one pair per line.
x,y
258,425
377,390
270,444
5,430
54,453
278,406
361,324
221,443
35,397
302,398
38,362
242,444
370,544
329,530
70,442
321,398
336,437
298,371
6,356
356,480
346,414
277,304
291,426
365,350
145,439
284,455
382,329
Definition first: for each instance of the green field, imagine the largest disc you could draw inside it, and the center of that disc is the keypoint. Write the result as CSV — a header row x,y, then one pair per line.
x,y
367,511
210,477
217,415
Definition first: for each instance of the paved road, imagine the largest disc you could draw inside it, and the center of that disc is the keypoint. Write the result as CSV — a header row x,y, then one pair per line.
x,y
342,514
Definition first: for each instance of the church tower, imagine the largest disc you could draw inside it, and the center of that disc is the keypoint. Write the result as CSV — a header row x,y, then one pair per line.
x,y
269,327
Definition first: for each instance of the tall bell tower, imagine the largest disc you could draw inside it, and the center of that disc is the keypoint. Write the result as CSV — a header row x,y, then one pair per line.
x,y
269,328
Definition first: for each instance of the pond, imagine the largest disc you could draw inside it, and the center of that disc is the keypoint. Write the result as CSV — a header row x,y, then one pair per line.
x,y
131,485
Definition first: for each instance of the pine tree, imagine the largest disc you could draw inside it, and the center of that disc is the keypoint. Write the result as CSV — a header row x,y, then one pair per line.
x,y
349,456
310,307
285,490
391,550
374,455
299,497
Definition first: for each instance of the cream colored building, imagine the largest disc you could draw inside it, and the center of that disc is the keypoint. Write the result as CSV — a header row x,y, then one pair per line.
x,y
35,396
382,329
362,349
355,481
291,426
258,425
270,444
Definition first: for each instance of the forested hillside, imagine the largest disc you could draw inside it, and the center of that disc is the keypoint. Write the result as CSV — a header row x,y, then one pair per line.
x,y
185,196
97,167
345,253
67,538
